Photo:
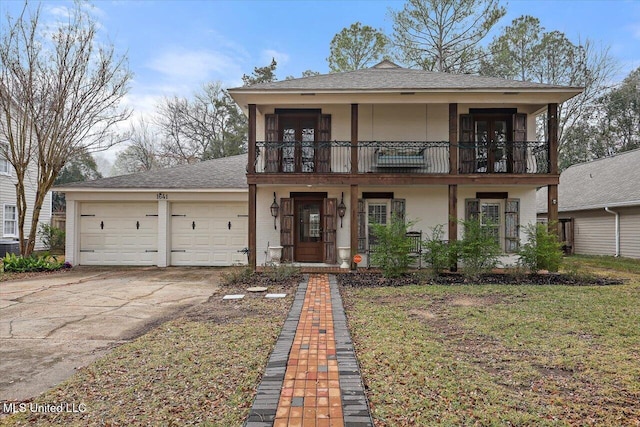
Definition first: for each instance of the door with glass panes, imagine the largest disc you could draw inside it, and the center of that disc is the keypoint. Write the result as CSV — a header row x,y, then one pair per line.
x,y
298,137
491,143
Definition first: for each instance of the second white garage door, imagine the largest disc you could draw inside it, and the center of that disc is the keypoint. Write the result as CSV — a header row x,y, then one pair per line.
x,y
208,233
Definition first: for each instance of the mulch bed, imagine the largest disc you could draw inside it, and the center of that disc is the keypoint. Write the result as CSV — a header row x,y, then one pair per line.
x,y
368,279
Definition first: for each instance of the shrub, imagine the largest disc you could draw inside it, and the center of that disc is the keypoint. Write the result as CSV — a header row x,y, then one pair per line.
x,y
52,237
478,249
236,275
393,247
437,251
542,251
277,273
13,263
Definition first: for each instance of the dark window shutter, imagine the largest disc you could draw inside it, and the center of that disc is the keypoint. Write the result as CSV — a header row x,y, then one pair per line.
x,y
323,151
272,150
466,147
362,226
398,208
472,209
329,230
519,143
512,225
286,228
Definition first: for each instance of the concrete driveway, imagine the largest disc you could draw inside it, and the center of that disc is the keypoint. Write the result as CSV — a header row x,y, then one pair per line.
x,y
51,325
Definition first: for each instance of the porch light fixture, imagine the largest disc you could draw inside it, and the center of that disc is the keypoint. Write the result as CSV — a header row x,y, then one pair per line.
x,y
342,209
274,210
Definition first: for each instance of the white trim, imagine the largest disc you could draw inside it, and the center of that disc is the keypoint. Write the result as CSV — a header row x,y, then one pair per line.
x,y
149,190
4,220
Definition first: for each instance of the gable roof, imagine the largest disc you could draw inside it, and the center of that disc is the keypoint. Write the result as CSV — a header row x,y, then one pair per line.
x,y
389,76
222,173
608,182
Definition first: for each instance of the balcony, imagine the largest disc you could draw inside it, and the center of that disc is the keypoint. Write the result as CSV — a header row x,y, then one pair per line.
x,y
405,157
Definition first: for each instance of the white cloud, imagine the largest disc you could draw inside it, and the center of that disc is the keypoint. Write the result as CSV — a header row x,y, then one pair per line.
x,y
192,68
635,30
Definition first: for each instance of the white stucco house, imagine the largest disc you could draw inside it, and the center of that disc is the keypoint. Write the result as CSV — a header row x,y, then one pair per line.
x,y
8,199
328,155
599,206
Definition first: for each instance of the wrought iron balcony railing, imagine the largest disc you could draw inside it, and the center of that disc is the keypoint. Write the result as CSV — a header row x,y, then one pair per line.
x,y
412,157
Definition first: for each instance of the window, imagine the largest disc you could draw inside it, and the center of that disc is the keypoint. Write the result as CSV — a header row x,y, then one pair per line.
x,y
376,214
10,221
501,217
5,166
490,219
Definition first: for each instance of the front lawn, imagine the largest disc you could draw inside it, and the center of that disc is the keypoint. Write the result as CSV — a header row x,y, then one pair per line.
x,y
501,354
200,369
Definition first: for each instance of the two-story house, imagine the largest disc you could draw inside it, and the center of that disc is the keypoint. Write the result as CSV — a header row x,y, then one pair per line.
x,y
8,198
335,152
328,155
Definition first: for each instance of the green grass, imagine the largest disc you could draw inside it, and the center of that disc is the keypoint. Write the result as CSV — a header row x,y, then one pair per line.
x,y
627,265
500,355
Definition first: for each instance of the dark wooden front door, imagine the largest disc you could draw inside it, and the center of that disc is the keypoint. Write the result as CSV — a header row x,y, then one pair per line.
x,y
308,230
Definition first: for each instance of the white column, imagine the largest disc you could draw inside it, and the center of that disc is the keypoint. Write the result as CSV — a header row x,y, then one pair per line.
x,y
71,248
164,233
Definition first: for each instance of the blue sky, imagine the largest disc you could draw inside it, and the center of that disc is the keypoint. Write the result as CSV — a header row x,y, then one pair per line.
x,y
176,46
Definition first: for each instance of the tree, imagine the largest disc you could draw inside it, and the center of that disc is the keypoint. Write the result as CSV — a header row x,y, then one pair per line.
x,y
525,51
207,127
305,73
513,54
82,167
60,96
142,153
261,74
620,115
356,47
443,35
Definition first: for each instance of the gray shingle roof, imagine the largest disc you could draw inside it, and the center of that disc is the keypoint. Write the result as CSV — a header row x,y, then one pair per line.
x,y
226,172
611,181
385,77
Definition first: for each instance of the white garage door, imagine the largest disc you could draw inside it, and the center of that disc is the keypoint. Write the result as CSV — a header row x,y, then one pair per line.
x,y
208,233
118,233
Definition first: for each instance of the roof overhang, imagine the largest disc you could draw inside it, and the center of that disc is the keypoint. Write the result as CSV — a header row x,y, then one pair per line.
x,y
537,97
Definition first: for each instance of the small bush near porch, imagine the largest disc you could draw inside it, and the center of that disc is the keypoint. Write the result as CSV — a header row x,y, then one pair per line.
x,y
502,354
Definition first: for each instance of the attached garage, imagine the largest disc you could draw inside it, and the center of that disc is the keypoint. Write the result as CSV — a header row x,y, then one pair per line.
x,y
118,234
191,215
208,233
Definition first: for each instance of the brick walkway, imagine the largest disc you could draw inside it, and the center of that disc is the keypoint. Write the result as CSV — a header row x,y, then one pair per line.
x,y
312,377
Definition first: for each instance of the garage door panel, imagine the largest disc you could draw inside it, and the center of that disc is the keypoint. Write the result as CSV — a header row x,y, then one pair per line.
x,y
212,242
118,234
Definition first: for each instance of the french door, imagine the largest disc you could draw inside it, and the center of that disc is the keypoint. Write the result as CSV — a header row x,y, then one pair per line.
x,y
491,143
298,137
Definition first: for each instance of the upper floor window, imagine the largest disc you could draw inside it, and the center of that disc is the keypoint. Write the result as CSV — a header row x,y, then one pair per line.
x,y
5,166
10,228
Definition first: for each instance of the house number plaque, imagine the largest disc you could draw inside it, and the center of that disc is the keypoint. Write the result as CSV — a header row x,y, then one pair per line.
x,y
163,196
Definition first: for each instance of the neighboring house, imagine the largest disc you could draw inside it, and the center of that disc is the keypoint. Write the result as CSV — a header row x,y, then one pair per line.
x,y
329,154
8,205
599,206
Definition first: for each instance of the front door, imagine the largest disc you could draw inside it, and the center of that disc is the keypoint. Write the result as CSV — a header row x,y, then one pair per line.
x,y
308,230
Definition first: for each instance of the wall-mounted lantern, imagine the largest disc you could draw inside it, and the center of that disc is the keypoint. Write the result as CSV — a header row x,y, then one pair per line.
x,y
342,209
274,210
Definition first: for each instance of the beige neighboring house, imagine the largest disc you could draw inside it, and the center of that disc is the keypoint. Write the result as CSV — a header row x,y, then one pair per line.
x,y
8,206
327,156
599,206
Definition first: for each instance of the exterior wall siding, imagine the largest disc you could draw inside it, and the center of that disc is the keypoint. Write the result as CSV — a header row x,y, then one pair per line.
x,y
8,197
594,233
630,232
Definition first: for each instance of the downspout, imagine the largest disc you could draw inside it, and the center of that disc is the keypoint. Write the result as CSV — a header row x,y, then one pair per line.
x,y
617,214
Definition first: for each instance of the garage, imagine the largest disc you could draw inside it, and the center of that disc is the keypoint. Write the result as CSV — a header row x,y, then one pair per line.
x,y
189,215
208,234
118,233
